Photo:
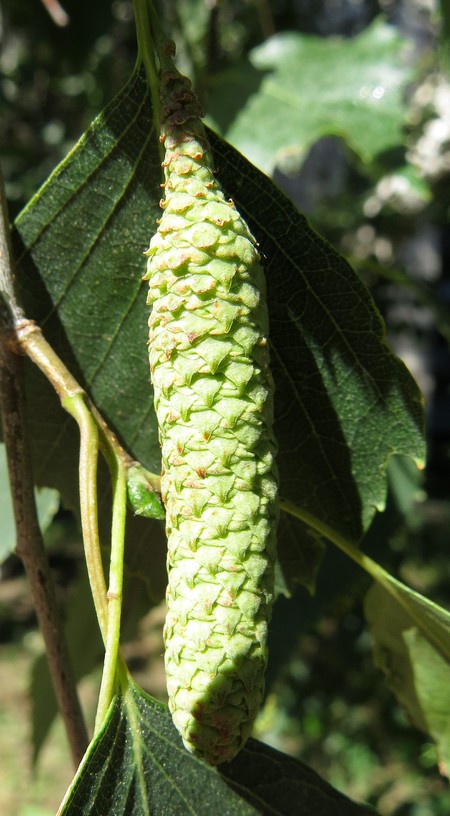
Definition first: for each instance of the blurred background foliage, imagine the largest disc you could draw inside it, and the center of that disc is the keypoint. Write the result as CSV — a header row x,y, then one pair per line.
x,y
384,203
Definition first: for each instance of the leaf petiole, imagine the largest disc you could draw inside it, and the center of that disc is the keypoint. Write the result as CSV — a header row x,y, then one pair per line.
x,y
147,33
95,435
114,595
89,448
427,615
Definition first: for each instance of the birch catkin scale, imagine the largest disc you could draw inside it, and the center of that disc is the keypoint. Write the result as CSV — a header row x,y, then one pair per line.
x,y
209,364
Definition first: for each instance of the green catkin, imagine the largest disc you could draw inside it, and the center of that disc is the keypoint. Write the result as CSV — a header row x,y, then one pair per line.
x,y
213,392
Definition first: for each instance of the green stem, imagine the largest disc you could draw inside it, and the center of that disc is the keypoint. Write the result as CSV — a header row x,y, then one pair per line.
x,y
114,593
327,532
375,570
94,435
412,602
148,35
33,343
89,447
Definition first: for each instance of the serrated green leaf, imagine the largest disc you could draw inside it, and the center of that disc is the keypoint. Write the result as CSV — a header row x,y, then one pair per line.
x,y
313,87
137,766
300,551
432,682
80,245
412,648
344,403
405,484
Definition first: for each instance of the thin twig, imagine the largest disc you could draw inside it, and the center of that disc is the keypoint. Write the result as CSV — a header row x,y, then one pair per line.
x,y
30,546
412,602
89,445
94,433
32,342
115,589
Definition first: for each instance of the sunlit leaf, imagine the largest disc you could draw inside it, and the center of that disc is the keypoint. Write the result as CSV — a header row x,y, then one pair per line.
x,y
408,630
313,87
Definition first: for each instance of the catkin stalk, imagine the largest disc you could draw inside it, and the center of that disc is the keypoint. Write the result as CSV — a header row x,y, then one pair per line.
x,y
213,393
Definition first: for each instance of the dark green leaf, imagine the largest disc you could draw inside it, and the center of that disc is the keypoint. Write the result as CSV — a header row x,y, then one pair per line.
x,y
344,403
137,766
80,247
300,551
